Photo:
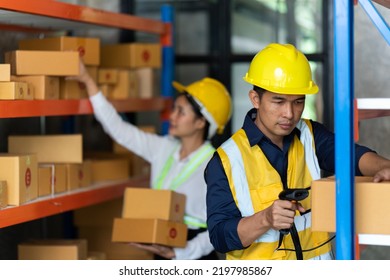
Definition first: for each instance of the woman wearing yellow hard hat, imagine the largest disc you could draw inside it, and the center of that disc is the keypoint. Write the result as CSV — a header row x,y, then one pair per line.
x,y
248,216
177,160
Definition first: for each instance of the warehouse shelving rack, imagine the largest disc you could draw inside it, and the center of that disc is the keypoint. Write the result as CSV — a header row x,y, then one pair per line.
x,y
49,16
345,111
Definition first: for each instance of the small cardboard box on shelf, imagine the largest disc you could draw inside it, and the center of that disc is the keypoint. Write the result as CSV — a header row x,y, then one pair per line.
x,y
20,171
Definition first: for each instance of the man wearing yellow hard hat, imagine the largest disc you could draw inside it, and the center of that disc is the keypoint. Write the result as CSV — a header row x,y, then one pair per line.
x,y
248,216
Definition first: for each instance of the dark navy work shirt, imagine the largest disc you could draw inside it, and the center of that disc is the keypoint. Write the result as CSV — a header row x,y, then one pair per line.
x,y
222,213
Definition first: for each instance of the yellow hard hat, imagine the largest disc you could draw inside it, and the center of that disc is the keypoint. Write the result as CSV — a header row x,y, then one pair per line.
x,y
281,69
213,99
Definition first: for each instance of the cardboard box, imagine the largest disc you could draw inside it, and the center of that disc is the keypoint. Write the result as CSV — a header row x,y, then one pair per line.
x,y
88,48
371,201
70,89
67,148
3,194
127,85
106,89
21,173
153,231
44,180
57,177
43,87
13,90
50,63
79,175
5,72
148,82
56,249
109,169
131,55
146,203
108,76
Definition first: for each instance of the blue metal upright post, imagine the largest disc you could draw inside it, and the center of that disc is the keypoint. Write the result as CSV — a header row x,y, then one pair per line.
x,y
344,124
167,41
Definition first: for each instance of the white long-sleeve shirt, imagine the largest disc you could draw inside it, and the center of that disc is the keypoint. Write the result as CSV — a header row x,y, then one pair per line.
x,y
157,149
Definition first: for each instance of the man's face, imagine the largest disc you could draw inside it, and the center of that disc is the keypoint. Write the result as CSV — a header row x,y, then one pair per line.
x,y
278,114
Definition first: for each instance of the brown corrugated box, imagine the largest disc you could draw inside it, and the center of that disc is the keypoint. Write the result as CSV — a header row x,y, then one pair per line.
x,y
108,76
131,55
62,148
148,82
13,90
44,180
5,72
71,89
79,175
153,204
58,177
88,48
56,249
50,63
153,231
109,169
126,86
43,87
21,173
370,204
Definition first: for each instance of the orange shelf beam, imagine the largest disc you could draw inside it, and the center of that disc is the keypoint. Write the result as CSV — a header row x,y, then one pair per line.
x,y
44,207
83,14
37,108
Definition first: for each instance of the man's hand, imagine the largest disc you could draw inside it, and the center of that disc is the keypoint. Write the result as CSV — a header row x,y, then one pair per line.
x,y
282,212
382,175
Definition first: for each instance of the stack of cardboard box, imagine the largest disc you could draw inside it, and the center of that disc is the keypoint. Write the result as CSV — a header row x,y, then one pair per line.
x,y
152,217
130,70
41,165
87,49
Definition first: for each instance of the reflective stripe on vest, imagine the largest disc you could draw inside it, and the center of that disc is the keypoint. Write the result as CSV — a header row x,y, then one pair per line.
x,y
201,155
192,221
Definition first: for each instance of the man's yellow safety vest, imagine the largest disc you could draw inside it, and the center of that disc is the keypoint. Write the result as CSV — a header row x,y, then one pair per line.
x,y
255,185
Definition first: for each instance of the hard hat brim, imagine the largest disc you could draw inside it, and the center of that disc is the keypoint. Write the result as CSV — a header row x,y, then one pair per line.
x,y
179,87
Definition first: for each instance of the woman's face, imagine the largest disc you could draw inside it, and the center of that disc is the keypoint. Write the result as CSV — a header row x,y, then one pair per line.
x,y
183,120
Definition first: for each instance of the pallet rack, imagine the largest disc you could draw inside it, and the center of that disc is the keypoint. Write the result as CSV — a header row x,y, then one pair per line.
x,y
48,16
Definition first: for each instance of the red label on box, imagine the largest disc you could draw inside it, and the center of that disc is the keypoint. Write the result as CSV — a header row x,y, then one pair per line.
x,y
172,233
81,51
146,55
27,177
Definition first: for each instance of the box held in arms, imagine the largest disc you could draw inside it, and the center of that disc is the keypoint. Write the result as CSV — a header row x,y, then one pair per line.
x,y
146,203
